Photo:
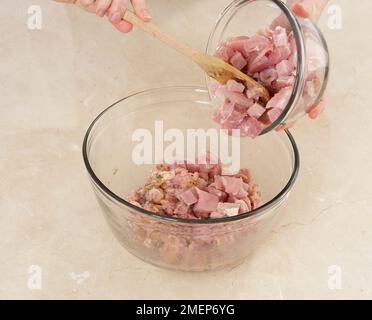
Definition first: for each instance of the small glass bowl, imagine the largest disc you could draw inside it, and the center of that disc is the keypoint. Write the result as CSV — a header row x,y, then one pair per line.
x,y
246,17
182,244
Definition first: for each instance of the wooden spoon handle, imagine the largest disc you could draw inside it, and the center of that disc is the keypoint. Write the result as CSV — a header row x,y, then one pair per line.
x,y
153,30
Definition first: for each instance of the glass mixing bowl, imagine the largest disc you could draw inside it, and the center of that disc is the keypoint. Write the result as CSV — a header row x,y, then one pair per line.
x,y
192,245
246,17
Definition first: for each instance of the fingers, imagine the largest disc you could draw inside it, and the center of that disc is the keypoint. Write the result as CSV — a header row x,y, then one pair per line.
x,y
313,114
280,21
114,9
102,7
116,14
283,127
316,111
309,8
301,8
66,1
141,9
304,9
117,11
88,5
123,26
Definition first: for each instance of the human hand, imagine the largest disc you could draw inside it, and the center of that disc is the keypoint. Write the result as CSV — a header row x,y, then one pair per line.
x,y
114,10
311,9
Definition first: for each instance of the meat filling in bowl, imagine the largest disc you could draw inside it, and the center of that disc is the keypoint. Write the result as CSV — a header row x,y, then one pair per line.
x,y
197,190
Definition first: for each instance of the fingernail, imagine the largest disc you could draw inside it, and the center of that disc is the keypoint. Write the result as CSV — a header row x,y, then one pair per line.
x,y
146,14
115,17
100,12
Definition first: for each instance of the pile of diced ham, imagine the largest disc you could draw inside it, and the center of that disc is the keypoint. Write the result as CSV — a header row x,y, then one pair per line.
x,y
197,190
270,57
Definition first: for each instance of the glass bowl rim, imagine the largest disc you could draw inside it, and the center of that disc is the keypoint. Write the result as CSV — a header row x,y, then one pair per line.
x,y
111,195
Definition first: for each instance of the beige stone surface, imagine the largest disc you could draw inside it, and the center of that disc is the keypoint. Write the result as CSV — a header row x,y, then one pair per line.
x,y
55,80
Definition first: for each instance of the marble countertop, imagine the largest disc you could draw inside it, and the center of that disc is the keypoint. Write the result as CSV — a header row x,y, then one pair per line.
x,y
54,81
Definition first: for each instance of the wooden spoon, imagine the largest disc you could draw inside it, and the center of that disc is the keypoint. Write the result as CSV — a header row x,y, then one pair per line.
x,y
213,66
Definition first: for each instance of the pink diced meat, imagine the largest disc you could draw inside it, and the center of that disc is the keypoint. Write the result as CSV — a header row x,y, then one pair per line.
x,y
279,54
189,196
271,115
280,99
268,76
284,68
206,204
238,61
260,61
237,44
269,56
235,86
232,185
228,209
250,127
256,110
255,44
235,97
225,53
280,37
174,190
222,196
283,82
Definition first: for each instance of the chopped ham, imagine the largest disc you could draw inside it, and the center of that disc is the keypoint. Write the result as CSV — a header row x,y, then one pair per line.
x,y
229,117
271,115
270,57
280,99
260,61
279,54
222,196
235,86
253,94
232,185
284,68
283,82
155,195
280,37
244,206
268,76
189,196
234,97
256,110
238,61
256,44
237,44
174,190
206,204
218,182
225,53
250,127
228,209
216,215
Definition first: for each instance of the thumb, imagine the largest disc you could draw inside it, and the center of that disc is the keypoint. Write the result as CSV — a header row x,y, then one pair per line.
x,y
309,8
